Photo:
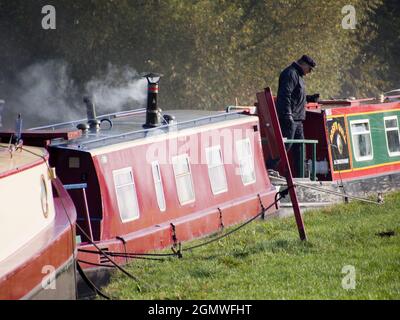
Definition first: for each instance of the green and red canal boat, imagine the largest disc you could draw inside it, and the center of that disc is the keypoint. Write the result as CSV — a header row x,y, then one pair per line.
x,y
351,145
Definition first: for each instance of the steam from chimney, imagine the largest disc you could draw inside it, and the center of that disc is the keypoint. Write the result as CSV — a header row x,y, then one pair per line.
x,y
44,93
117,89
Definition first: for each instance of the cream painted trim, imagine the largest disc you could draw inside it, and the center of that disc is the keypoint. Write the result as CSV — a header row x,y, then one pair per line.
x,y
176,160
396,153
360,121
221,165
134,195
20,158
21,213
155,165
249,156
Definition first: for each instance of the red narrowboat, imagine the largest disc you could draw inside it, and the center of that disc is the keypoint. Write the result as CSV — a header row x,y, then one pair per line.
x,y
141,180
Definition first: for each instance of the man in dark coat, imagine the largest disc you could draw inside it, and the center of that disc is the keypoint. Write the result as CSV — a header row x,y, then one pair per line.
x,y
291,101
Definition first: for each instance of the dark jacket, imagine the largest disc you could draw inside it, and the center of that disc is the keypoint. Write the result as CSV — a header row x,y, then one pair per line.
x,y
291,98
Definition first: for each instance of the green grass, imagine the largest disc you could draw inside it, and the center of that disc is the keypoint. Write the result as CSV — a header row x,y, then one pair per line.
x,y
266,260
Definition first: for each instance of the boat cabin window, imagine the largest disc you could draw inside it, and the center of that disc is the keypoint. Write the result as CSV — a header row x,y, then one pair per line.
x,y
126,194
155,166
216,170
74,163
183,179
362,142
392,135
246,161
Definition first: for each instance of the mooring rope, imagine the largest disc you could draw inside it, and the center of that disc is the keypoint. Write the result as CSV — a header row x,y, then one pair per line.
x,y
282,194
330,191
90,283
109,258
178,252
128,253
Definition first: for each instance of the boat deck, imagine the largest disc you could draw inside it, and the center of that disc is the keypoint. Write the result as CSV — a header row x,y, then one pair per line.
x,y
19,160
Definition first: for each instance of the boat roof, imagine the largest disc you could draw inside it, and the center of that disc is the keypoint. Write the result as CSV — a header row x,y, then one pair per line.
x,y
348,104
20,159
128,126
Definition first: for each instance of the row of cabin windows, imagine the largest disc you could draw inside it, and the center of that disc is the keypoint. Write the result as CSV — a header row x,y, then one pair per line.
x,y
126,191
362,141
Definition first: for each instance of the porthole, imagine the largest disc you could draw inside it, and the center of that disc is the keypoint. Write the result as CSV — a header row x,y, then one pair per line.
x,y
44,197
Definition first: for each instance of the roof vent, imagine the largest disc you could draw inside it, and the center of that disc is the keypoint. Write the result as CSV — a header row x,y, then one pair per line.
x,y
93,123
169,119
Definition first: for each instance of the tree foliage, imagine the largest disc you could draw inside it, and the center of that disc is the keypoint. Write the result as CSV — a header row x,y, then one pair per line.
x,y
211,52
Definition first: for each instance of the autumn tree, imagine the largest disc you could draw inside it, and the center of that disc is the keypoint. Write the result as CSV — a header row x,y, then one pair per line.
x,y
211,52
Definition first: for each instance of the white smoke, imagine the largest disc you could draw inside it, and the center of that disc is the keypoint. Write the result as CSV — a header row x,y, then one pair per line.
x,y
44,93
118,89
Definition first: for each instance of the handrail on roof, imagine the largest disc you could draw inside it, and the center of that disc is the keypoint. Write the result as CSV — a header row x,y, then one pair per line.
x,y
108,116
193,121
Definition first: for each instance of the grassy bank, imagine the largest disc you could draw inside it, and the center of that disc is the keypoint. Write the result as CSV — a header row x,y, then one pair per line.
x,y
266,260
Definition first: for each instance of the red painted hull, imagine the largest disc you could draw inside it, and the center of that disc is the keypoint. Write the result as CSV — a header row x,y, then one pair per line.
x,y
384,169
188,227
153,229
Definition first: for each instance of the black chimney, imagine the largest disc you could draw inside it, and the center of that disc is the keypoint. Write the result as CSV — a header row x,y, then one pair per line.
x,y
153,113
91,114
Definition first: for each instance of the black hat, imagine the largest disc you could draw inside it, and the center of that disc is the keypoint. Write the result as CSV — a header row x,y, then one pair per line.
x,y
308,60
